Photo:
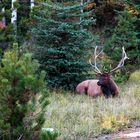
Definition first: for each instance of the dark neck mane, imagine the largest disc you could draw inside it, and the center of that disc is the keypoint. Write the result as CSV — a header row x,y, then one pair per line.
x,y
109,89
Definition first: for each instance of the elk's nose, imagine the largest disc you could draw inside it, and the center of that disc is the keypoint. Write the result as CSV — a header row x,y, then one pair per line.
x,y
98,83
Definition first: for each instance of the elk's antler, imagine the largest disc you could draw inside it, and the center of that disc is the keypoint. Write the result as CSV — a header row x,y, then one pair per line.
x,y
94,66
121,63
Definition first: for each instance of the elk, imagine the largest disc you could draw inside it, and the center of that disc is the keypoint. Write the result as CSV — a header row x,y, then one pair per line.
x,y
108,86
104,85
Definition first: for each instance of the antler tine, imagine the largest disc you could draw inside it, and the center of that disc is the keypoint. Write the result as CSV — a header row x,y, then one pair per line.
x,y
121,63
95,68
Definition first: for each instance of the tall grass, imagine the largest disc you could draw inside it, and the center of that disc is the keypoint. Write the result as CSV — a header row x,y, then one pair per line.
x,y
78,116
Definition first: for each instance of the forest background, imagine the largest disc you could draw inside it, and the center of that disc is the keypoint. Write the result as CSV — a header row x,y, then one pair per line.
x,y
53,42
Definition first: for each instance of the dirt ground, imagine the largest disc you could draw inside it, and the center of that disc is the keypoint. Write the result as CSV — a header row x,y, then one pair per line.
x,y
132,133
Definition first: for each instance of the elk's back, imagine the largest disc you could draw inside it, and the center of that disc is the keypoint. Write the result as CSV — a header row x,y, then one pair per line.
x,y
89,87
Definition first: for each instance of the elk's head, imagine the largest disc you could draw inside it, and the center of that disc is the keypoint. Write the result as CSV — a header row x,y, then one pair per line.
x,y
107,86
103,79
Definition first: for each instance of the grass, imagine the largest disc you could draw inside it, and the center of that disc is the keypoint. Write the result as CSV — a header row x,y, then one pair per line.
x,y
78,116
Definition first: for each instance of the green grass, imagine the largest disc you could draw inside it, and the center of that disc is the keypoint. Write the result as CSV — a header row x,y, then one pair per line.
x,y
135,77
78,116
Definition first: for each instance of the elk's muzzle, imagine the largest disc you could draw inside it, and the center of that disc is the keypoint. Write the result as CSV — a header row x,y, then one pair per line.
x,y
98,83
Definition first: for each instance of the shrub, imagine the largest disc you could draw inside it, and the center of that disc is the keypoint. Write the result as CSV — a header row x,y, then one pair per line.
x,y
23,97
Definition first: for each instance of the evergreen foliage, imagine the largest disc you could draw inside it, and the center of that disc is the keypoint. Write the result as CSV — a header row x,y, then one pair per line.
x,y
134,8
19,33
7,13
124,35
23,96
63,43
106,12
6,33
23,20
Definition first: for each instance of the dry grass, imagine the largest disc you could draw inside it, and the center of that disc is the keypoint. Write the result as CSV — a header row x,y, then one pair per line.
x,y
82,116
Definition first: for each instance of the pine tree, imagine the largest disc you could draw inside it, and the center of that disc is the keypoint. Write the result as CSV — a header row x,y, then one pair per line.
x,y
63,43
23,96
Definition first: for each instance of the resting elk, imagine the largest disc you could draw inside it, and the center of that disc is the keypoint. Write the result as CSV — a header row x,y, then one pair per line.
x,y
104,86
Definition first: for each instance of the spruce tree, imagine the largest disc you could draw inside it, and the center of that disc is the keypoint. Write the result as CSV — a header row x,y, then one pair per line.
x,y
63,43
23,96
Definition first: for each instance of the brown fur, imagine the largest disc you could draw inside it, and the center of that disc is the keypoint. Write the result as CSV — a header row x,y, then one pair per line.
x,y
108,86
90,88
105,86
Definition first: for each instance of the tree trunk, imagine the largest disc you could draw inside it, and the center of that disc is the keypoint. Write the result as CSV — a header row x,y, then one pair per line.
x,y
81,3
14,13
31,4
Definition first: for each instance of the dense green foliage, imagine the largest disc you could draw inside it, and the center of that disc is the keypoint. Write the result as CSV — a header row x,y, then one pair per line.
x,y
63,43
49,135
124,35
23,96
60,25
23,21
6,33
11,33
